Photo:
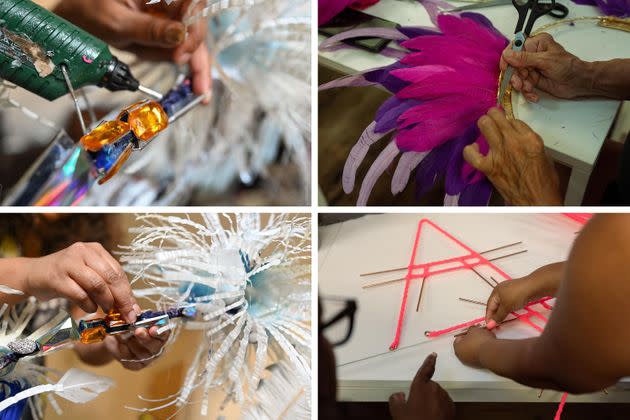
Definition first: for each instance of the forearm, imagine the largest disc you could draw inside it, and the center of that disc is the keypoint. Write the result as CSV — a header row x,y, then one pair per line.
x,y
547,280
519,360
14,274
609,79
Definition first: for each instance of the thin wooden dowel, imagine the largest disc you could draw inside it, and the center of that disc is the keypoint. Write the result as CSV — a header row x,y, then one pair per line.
x,y
420,295
472,301
367,286
391,270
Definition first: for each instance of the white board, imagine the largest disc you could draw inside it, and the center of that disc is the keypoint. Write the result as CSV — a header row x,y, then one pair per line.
x,y
378,242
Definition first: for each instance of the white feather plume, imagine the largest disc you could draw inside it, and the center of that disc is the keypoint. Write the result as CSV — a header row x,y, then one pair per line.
x,y
250,280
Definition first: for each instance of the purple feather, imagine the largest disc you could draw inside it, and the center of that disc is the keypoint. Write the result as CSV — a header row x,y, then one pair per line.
x,y
619,8
477,194
384,78
389,112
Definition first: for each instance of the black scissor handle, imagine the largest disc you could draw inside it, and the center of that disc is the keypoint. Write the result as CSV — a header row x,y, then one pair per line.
x,y
538,9
559,11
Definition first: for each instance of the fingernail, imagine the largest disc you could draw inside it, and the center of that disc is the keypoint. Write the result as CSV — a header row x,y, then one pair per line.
x,y
175,34
136,308
490,325
434,354
131,317
399,396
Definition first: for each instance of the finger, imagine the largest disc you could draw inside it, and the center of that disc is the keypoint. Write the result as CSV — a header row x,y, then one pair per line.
x,y
153,332
140,352
531,97
94,285
490,131
528,86
75,294
516,81
200,71
150,30
152,345
498,116
494,301
397,405
426,371
127,357
524,58
520,126
116,279
195,37
473,156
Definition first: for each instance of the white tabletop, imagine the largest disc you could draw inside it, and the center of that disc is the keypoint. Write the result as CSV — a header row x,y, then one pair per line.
x,y
573,131
378,242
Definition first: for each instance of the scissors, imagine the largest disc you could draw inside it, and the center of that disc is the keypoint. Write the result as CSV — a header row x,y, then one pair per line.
x,y
538,8
559,11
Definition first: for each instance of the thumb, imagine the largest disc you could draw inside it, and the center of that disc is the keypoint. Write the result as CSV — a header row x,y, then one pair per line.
x,y
397,405
149,30
473,156
523,58
496,310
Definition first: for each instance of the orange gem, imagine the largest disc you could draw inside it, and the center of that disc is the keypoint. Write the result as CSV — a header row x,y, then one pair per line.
x,y
104,134
147,120
93,335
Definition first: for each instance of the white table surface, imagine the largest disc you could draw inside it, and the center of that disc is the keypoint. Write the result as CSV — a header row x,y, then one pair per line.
x,y
377,242
573,131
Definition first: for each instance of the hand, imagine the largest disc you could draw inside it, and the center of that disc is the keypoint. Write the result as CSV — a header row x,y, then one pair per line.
x,y
85,274
153,32
468,347
507,297
427,399
546,65
138,350
516,163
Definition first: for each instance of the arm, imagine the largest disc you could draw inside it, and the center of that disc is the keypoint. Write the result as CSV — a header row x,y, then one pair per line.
x,y
610,79
546,65
13,273
588,324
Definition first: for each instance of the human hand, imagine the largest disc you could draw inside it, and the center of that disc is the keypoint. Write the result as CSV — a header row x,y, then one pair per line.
x,y
153,32
507,297
546,65
468,347
85,274
427,399
516,163
136,351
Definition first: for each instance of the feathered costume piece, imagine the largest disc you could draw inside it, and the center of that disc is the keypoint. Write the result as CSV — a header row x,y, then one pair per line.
x,y
444,81
619,8
250,282
328,9
22,382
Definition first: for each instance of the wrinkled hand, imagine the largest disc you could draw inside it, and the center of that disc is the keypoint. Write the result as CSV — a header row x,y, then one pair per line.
x,y
546,65
153,32
427,400
468,347
138,350
516,163
85,274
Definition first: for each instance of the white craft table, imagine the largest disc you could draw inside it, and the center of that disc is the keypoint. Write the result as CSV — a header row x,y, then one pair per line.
x,y
378,242
573,131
